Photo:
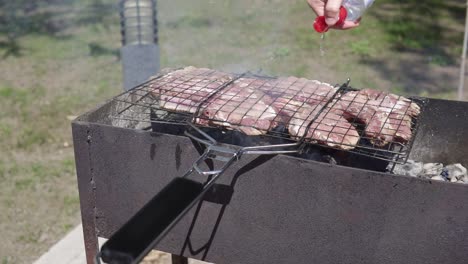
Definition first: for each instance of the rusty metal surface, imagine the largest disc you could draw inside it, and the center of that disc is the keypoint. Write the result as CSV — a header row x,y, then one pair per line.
x,y
280,209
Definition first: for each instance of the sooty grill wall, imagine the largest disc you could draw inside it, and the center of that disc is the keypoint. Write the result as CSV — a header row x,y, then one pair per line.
x,y
281,209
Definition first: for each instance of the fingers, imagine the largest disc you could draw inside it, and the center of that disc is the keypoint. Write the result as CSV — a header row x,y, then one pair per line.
x,y
317,6
332,11
348,25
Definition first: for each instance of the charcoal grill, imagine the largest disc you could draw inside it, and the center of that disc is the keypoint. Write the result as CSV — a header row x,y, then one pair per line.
x,y
112,138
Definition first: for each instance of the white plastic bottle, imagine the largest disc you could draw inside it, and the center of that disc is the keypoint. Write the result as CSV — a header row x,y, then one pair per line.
x,y
351,10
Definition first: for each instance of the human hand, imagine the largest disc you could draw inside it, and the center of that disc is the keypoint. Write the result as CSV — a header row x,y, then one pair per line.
x,y
330,9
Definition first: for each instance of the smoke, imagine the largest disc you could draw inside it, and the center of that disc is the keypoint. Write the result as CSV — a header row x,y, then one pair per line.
x,y
231,35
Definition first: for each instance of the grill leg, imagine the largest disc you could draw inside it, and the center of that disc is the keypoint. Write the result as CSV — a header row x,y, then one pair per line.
x,y
87,219
179,260
91,244
86,189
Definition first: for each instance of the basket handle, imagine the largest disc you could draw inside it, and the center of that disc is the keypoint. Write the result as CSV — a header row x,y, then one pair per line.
x,y
149,225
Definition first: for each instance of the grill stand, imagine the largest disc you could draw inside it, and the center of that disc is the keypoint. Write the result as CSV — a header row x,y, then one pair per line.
x,y
396,213
178,259
117,249
132,242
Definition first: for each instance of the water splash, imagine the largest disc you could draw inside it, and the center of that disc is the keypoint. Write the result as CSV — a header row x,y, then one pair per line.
x,y
322,41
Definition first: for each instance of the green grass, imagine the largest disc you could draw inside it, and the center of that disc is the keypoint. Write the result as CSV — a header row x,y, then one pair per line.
x,y
190,21
31,236
31,136
18,96
281,52
451,95
54,77
70,203
300,70
23,184
398,90
362,47
5,131
67,228
28,176
43,47
440,60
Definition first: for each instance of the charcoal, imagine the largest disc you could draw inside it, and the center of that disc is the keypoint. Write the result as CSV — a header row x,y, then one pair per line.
x,y
455,172
453,179
330,159
439,178
410,168
464,180
433,169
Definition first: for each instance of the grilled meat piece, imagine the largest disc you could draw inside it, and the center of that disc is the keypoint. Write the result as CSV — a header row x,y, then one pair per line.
x,y
387,117
240,106
256,106
287,95
183,90
329,128
391,102
300,90
298,100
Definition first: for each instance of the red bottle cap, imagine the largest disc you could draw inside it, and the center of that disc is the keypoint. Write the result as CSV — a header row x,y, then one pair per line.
x,y
321,26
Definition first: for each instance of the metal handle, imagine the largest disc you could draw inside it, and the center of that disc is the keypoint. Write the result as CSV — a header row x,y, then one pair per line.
x,y
144,230
147,227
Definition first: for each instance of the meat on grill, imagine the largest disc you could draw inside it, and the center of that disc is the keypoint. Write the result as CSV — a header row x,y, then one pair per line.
x,y
256,106
299,100
240,106
183,90
300,90
387,117
329,127
391,102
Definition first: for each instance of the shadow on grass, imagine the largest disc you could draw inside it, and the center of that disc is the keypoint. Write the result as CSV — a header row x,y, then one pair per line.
x,y
425,33
96,50
413,77
412,24
50,18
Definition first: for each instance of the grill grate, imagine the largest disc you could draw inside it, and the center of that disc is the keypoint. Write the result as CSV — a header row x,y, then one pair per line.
x,y
365,122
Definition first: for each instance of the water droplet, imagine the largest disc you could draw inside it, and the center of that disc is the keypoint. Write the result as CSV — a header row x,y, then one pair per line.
x,y
322,40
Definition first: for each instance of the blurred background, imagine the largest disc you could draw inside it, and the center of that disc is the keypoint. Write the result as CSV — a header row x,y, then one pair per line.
x,y
59,58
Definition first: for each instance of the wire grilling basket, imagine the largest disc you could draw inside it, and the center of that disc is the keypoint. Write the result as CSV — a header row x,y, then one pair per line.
x,y
287,112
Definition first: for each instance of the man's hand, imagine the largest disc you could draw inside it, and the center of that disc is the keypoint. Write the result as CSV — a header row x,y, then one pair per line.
x,y
331,10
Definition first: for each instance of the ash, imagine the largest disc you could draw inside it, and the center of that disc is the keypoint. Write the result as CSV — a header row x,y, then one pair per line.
x,y
434,171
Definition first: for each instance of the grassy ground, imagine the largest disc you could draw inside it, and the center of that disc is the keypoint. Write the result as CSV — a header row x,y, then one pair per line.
x,y
53,76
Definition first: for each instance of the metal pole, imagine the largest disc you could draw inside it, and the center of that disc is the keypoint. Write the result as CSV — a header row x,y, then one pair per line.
x,y
461,85
140,47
